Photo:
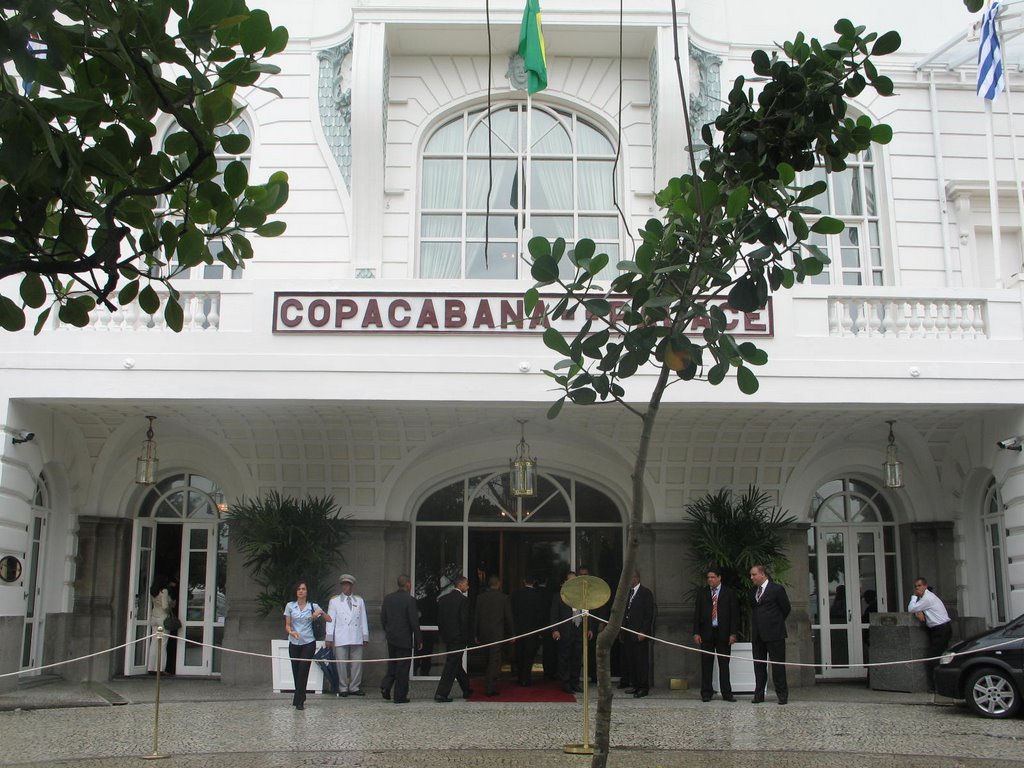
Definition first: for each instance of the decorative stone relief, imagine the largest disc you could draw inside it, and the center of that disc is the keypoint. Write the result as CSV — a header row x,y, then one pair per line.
x,y
516,73
366,273
706,93
335,102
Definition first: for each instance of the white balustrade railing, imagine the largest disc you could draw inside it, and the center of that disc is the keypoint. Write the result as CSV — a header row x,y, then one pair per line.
x,y
908,318
201,309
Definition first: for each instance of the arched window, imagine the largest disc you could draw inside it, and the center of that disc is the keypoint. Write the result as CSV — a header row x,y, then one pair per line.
x,y
993,522
217,270
852,197
565,189
853,571
183,497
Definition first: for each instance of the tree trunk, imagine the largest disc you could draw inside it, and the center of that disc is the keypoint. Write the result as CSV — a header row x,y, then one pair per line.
x,y
602,725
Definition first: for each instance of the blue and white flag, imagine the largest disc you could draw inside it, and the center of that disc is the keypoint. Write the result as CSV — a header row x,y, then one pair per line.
x,y
990,56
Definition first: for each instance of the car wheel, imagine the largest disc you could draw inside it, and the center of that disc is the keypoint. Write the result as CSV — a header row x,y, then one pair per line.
x,y
991,693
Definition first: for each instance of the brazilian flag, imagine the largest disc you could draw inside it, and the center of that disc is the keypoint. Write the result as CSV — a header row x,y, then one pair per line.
x,y
531,48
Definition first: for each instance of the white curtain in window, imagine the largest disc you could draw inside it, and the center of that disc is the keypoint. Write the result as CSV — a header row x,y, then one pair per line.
x,y
440,260
595,183
442,184
552,185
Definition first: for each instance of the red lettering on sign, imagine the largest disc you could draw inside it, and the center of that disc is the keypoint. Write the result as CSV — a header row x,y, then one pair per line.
x,y
372,316
344,309
539,316
319,313
511,315
700,322
454,313
483,318
427,315
393,318
294,320
752,322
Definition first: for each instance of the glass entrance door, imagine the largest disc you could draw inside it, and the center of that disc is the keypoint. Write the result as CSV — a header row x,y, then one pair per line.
x,y
201,607
32,641
143,543
851,573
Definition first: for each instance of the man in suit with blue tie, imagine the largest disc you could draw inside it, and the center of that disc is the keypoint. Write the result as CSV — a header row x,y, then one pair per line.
x,y
716,618
768,635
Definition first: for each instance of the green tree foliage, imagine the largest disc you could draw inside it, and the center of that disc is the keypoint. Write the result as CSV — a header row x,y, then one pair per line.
x,y
284,540
732,231
91,209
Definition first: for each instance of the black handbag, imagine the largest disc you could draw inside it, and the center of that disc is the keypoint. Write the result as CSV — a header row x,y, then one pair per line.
x,y
172,624
319,625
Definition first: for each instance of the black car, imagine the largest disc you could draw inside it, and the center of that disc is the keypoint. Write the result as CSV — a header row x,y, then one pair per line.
x,y
987,670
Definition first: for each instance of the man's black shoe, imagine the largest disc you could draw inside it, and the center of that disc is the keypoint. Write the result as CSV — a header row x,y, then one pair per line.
x,y
467,693
729,698
758,699
385,693
640,693
705,699
442,699
783,700
343,694
401,701
631,690
356,693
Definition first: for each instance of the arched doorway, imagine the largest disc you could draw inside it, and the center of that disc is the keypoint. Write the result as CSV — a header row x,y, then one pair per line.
x,y
993,522
179,534
853,572
473,525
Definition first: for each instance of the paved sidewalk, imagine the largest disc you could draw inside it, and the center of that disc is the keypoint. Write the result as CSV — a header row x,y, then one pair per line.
x,y
206,723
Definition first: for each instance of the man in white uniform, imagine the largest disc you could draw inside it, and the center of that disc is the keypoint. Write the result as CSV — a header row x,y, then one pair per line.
x,y
348,631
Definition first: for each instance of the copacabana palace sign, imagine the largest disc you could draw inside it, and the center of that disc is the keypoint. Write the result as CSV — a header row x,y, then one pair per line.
x,y
367,312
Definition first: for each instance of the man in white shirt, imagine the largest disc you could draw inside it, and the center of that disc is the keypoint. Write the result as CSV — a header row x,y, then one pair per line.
x,y
931,612
348,631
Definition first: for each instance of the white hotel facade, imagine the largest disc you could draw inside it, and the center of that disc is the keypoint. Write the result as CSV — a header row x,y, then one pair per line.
x,y
368,354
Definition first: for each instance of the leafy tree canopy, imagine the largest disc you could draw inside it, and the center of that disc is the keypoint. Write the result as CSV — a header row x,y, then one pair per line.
x,y
91,209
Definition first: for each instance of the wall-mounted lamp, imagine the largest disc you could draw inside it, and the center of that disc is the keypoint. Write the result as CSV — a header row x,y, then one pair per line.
x,y
892,469
147,463
523,467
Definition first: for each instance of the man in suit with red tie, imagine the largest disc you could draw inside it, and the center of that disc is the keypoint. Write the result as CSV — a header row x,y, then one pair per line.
x,y
715,626
640,618
768,635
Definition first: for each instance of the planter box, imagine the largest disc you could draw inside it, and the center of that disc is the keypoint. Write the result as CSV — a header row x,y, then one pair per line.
x,y
741,668
282,669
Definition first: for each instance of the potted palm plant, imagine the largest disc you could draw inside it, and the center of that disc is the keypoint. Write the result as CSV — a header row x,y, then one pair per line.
x,y
734,533
284,539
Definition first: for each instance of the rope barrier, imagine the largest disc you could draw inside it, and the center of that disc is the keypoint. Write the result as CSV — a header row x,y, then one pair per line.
x,y
439,654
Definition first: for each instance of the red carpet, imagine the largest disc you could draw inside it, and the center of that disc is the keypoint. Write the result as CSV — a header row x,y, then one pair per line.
x,y
510,690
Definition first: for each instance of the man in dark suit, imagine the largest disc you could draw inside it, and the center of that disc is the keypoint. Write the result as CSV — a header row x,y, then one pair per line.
x,y
569,637
716,618
453,627
493,624
401,624
639,618
768,636
529,613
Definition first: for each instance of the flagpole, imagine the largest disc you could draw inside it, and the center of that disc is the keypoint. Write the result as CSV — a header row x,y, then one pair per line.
x,y
528,197
1013,155
993,195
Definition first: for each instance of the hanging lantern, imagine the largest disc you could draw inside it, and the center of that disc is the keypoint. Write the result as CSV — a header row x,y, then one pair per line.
x,y
892,469
147,464
523,467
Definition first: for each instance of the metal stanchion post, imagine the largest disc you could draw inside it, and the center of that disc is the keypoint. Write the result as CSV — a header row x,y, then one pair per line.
x,y
584,593
156,755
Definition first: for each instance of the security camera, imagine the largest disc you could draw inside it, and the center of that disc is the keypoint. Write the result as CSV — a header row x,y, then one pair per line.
x,y
1014,443
24,436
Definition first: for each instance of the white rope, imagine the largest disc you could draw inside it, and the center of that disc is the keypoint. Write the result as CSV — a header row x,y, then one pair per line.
x,y
685,647
78,658
414,657
681,646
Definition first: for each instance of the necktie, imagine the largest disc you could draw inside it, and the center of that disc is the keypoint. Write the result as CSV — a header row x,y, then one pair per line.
x,y
760,591
714,605
350,602
632,594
